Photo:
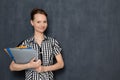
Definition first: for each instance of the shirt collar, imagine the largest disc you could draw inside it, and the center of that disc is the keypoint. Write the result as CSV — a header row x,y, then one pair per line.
x,y
33,40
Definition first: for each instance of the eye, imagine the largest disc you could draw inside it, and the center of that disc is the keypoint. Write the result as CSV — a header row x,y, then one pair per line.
x,y
44,21
38,21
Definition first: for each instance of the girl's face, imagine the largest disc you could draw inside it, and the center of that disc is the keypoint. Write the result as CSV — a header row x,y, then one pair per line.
x,y
39,23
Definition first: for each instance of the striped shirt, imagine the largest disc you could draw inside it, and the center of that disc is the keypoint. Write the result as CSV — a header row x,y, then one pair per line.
x,y
47,51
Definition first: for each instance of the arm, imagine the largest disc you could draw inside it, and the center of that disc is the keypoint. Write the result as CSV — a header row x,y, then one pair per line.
x,y
18,67
56,66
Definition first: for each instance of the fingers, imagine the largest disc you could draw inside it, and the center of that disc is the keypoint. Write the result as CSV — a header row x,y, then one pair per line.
x,y
40,69
13,62
35,63
33,59
38,62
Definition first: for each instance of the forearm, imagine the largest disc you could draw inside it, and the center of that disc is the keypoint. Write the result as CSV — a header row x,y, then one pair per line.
x,y
53,67
56,66
18,67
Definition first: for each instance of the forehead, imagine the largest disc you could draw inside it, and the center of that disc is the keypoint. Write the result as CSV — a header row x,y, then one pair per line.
x,y
40,17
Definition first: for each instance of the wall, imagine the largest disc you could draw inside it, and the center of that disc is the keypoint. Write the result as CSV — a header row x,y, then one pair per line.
x,y
88,31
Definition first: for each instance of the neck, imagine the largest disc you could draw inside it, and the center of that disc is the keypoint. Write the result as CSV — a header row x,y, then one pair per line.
x,y
39,37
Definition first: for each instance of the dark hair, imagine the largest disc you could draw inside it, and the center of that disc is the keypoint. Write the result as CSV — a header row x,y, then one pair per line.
x,y
36,11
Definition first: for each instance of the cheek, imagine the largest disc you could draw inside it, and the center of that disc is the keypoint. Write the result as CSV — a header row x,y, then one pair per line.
x,y
35,26
46,25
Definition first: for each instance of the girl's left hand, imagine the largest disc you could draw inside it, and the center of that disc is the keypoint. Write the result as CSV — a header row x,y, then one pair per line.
x,y
40,69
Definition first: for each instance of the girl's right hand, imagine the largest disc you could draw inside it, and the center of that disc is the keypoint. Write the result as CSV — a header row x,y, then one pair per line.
x,y
34,63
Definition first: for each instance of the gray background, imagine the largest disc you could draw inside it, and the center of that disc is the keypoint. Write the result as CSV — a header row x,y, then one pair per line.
x,y
88,31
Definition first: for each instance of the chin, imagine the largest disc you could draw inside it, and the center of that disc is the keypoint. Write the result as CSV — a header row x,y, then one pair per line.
x,y
42,31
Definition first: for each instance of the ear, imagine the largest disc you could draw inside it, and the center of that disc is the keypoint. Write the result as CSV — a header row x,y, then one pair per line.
x,y
31,22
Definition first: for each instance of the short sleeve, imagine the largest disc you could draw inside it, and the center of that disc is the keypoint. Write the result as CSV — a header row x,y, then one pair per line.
x,y
22,43
56,47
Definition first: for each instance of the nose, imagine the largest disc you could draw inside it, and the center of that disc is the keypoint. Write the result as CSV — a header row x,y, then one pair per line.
x,y
42,24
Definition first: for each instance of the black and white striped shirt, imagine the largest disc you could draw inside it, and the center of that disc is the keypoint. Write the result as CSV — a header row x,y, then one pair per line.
x,y
48,48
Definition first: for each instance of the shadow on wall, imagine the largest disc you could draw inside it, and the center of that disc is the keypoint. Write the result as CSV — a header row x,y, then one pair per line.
x,y
18,75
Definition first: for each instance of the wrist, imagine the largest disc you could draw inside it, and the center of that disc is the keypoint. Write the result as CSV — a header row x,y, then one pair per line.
x,y
45,68
29,66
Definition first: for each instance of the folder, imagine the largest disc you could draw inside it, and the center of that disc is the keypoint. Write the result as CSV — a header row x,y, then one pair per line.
x,y
21,55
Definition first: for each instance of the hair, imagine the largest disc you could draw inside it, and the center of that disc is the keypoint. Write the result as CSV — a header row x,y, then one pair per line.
x,y
36,11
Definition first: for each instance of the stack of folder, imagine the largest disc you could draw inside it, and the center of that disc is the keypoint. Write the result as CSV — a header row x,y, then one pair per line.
x,y
22,54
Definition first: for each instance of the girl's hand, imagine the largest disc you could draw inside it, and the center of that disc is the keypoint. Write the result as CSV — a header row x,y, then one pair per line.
x,y
34,64
40,69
